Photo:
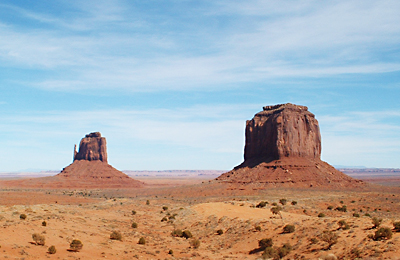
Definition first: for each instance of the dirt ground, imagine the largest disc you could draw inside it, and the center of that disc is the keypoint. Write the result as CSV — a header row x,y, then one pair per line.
x,y
204,208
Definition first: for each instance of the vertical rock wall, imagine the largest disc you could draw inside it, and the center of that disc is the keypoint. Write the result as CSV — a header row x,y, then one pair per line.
x,y
92,147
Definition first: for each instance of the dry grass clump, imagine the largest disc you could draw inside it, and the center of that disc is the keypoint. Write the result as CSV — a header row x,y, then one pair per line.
x,y
39,239
195,243
329,237
116,235
75,245
142,241
134,225
376,222
52,250
289,229
383,233
343,225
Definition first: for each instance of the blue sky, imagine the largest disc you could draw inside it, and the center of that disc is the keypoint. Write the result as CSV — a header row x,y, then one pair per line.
x,y
171,83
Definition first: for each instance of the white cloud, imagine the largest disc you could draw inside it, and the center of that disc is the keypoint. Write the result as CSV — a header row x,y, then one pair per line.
x,y
104,47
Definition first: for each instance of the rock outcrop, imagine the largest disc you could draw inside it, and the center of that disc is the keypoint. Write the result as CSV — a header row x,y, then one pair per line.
x,y
283,148
92,147
88,170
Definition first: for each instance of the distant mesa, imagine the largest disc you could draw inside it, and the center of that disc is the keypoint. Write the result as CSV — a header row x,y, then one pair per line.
x,y
88,170
283,148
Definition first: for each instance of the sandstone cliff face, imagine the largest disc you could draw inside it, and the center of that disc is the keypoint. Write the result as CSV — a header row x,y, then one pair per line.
x,y
283,148
92,147
281,131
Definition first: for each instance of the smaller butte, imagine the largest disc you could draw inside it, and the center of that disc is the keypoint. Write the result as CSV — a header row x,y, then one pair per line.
x,y
283,148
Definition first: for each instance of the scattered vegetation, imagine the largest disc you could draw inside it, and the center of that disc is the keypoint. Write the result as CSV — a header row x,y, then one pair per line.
x,y
220,232
177,233
383,233
330,207
170,252
277,253
262,204
116,235
294,202
343,225
187,234
147,202
376,222
342,208
396,226
39,239
321,215
133,212
22,216
75,245
258,228
52,250
134,225
165,208
195,243
142,241
289,229
356,215
329,237
264,243
276,210
44,223
283,201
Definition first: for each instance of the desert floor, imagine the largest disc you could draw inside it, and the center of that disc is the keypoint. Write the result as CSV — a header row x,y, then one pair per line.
x,y
202,208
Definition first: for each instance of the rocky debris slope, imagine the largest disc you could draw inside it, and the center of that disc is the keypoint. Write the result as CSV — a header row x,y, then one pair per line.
x,y
283,147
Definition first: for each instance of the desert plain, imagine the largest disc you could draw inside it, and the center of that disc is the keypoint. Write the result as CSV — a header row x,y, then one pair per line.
x,y
223,219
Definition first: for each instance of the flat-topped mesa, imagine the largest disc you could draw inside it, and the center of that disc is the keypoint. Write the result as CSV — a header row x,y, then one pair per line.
x,y
280,131
92,147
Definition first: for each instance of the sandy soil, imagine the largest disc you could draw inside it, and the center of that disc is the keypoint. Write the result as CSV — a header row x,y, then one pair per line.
x,y
204,208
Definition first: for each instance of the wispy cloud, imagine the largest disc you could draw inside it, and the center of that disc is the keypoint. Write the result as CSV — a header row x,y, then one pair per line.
x,y
307,39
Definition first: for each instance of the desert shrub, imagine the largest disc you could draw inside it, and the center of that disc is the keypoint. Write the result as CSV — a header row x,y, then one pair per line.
x,y
164,219
288,229
39,239
220,232
133,212
330,238
52,250
177,233
376,222
170,252
355,253
147,202
134,225
342,209
343,225
367,215
283,201
341,202
116,235
165,208
258,228
269,253
330,207
22,216
356,215
284,250
187,234
195,243
142,241
313,240
265,242
44,223
321,215
396,226
383,233
294,202
262,204
75,245
274,204
276,210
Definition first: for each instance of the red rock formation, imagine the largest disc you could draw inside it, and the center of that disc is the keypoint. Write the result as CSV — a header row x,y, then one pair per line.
x,y
93,147
283,147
